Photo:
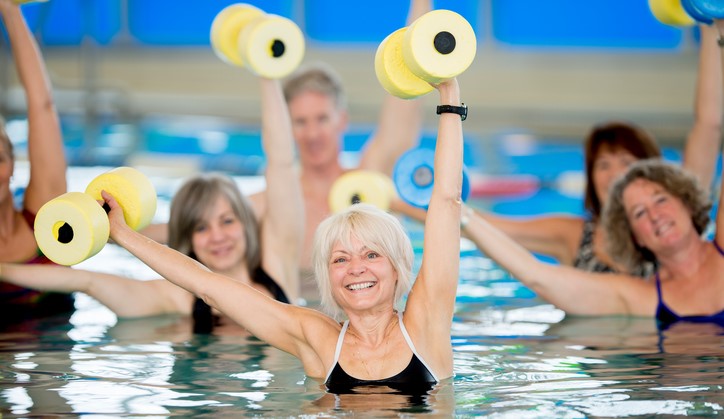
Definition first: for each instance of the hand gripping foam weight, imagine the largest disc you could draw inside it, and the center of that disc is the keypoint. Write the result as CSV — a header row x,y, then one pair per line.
x,y
670,12
413,177
133,191
74,227
71,228
392,72
361,186
439,45
267,45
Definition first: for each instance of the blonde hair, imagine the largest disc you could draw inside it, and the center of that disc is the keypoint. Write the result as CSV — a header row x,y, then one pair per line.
x,y
379,231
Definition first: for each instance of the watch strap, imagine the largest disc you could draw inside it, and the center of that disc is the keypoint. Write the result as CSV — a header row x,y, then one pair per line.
x,y
460,110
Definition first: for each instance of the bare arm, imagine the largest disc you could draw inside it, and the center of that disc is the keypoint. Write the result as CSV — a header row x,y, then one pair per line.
x,y
431,302
126,297
719,235
283,227
45,142
572,290
400,121
704,139
555,236
283,326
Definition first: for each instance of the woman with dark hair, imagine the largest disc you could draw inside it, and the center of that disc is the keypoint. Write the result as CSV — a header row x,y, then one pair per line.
x,y
656,213
214,224
609,149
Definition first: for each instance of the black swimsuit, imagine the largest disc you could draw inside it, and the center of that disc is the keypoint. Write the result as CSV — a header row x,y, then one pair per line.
x,y
415,378
665,317
204,320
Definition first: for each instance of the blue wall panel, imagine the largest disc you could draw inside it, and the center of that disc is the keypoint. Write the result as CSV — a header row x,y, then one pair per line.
x,y
165,22
590,23
67,22
369,21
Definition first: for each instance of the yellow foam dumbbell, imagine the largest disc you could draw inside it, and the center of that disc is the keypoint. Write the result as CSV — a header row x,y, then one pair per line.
x,y
439,45
267,45
357,186
74,226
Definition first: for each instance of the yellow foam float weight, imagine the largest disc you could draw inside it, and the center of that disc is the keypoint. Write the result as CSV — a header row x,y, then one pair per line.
x,y
133,191
225,30
361,186
271,46
392,72
71,228
670,12
439,45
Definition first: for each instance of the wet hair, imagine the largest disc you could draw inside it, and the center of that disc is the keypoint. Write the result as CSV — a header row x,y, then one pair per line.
x,y
614,136
677,182
191,203
318,78
379,231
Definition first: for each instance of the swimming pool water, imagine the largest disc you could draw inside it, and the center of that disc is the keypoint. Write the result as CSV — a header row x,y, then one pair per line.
x,y
515,356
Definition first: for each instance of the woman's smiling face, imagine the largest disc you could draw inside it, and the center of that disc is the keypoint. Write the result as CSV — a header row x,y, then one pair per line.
x,y
361,278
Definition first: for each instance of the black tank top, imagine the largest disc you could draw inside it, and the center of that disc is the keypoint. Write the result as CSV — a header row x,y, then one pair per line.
x,y
204,319
416,378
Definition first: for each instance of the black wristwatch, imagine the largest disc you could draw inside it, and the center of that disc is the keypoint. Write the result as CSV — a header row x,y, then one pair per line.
x,y
461,110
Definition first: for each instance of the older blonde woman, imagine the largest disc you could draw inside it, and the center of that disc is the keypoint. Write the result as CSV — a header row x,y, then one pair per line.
x,y
363,260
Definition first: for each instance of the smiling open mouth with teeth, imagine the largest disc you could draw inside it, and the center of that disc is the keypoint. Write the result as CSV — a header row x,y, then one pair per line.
x,y
360,286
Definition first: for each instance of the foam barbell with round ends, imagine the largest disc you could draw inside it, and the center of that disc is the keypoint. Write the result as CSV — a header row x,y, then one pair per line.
x,y
712,9
439,45
74,226
133,191
392,72
670,12
413,177
357,186
268,45
271,46
225,30
692,10
71,228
